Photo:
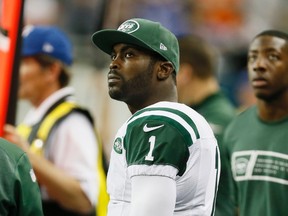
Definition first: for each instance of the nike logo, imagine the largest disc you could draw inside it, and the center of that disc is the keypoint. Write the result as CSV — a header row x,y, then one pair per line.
x,y
148,129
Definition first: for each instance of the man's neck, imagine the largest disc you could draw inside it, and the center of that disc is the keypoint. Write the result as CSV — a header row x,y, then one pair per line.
x,y
200,90
273,110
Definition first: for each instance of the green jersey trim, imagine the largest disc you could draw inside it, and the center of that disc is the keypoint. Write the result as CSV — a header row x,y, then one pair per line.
x,y
166,121
175,115
173,132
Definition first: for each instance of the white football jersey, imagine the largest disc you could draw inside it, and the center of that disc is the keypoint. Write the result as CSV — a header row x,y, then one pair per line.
x,y
166,139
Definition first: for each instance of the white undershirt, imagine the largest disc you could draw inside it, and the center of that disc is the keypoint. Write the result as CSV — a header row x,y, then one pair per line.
x,y
153,196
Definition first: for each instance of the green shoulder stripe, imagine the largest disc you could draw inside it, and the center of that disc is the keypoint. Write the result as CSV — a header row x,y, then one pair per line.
x,y
176,118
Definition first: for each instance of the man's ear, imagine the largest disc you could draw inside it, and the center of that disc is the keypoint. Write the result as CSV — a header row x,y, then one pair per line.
x,y
187,71
54,71
165,70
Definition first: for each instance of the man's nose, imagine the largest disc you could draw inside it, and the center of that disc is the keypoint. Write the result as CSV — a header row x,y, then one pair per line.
x,y
114,62
259,64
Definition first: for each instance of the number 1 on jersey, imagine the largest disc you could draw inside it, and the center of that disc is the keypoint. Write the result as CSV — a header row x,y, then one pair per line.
x,y
149,156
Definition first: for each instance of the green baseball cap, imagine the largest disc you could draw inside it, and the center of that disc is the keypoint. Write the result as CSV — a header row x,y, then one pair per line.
x,y
141,32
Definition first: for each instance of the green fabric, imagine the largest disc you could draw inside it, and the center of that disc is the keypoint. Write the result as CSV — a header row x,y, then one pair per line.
x,y
144,33
219,112
19,191
258,154
168,149
173,111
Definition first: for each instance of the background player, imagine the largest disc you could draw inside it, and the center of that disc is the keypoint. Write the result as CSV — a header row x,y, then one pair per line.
x,y
256,141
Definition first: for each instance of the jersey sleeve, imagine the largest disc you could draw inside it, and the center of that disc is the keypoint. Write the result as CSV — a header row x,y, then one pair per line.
x,y
156,147
27,190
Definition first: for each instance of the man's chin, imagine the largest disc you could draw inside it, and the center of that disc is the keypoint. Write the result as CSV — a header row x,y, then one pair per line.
x,y
116,95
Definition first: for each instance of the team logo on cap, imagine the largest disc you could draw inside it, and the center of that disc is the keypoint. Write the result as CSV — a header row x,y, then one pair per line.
x,y
27,30
129,26
47,47
163,47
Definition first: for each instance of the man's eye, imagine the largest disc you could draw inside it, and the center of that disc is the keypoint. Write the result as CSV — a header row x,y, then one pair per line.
x,y
112,57
273,57
252,58
128,54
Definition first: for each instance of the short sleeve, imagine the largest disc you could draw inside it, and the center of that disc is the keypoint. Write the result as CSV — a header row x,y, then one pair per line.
x,y
156,147
27,190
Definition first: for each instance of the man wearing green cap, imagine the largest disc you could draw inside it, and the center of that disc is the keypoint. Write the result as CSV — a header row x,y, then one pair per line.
x,y
164,159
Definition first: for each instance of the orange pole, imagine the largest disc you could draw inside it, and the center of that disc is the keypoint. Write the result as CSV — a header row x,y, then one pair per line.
x,y
9,29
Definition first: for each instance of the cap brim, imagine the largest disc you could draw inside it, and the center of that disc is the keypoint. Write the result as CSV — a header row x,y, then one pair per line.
x,y
106,39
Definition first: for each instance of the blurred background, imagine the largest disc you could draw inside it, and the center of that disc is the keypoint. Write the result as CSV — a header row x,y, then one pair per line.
x,y
228,24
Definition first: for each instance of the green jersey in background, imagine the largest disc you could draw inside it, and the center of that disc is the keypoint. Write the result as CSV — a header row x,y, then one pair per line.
x,y
257,153
19,191
219,112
